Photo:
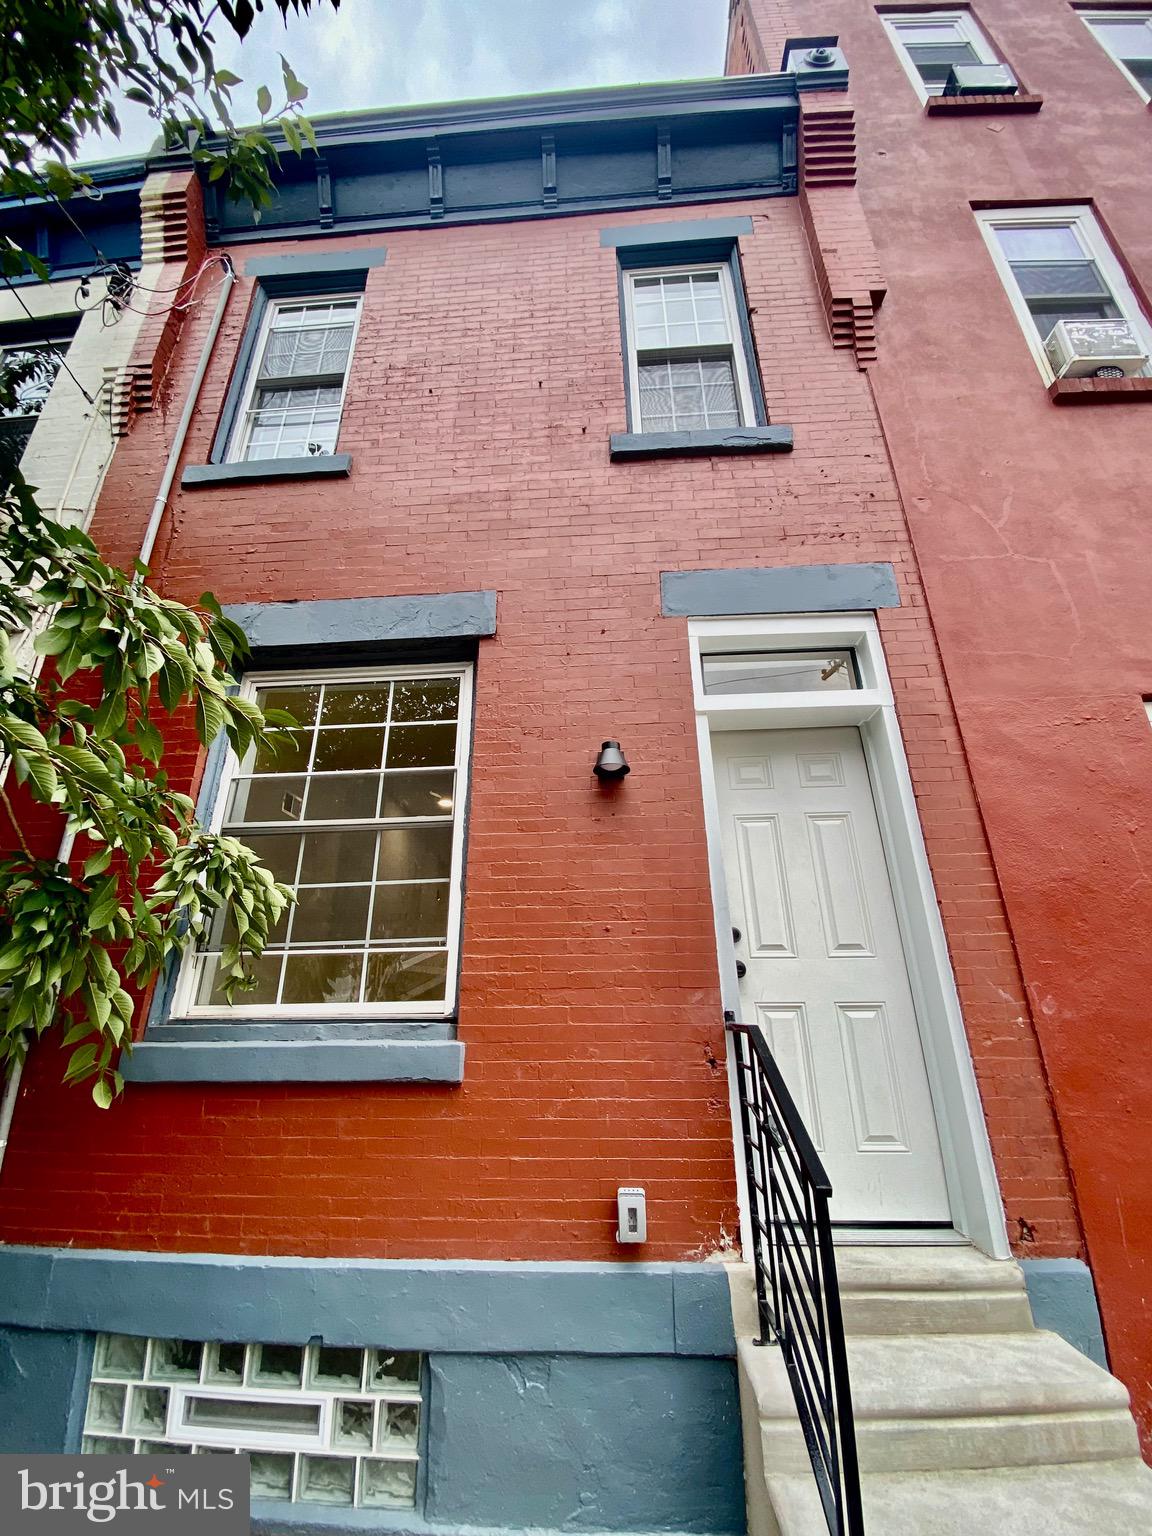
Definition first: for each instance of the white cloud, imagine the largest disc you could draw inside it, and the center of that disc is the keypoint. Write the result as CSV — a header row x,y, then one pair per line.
x,y
381,53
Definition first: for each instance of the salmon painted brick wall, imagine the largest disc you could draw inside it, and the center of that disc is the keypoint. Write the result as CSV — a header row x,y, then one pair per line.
x,y
486,381
1029,524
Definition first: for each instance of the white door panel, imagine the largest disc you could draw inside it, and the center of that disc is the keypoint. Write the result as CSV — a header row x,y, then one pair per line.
x,y
826,979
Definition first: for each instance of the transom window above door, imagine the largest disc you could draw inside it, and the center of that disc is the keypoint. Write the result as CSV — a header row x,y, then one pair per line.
x,y
687,367
931,43
778,672
294,392
360,812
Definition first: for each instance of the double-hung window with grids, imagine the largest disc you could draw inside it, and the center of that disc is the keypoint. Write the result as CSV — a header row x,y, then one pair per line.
x,y
1127,37
687,368
360,812
1057,265
930,43
294,393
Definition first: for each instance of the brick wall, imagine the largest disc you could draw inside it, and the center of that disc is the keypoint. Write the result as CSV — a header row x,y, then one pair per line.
x,y
486,381
1028,527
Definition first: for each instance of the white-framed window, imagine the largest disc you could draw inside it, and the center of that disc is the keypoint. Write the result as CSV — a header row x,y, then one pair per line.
x,y
323,1424
929,43
687,368
1127,37
361,812
293,395
37,364
1056,265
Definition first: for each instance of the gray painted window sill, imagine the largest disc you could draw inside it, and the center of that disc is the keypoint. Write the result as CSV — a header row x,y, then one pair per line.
x,y
296,1061
307,468
662,445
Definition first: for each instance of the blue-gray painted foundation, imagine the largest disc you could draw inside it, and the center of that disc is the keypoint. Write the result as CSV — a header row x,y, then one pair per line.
x,y
778,589
585,1444
560,1397
1062,1296
43,1385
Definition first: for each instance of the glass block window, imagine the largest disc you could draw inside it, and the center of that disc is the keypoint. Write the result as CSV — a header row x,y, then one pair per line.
x,y
1127,37
295,391
359,810
929,43
778,672
1057,265
687,366
323,1424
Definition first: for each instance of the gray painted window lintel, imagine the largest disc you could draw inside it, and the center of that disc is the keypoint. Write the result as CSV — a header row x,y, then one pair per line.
x,y
318,261
292,1061
318,626
678,232
847,588
662,445
307,467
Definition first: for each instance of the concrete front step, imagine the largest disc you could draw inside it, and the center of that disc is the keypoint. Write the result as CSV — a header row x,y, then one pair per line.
x,y
934,1402
1098,1498
930,1290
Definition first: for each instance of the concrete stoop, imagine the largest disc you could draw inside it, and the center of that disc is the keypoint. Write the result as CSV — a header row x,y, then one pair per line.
x,y
968,1418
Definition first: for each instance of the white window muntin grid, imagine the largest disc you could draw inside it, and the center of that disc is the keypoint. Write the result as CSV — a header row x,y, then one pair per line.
x,y
1094,20
732,349
324,1443
184,1005
275,318
1081,222
960,24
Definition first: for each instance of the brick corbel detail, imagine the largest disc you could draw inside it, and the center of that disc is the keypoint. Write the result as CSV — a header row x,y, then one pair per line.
x,y
843,253
173,245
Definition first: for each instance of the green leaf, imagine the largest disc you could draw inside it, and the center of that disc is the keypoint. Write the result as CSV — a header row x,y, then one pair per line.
x,y
97,863
105,903
42,777
103,1093
293,89
263,101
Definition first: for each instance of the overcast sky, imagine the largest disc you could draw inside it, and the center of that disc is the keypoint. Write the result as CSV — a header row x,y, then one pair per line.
x,y
377,53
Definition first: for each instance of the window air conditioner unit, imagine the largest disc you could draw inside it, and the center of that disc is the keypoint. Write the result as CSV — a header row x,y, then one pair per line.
x,y
980,80
1077,349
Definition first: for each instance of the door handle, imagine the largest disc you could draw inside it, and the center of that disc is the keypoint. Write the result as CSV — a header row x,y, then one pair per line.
x,y
741,970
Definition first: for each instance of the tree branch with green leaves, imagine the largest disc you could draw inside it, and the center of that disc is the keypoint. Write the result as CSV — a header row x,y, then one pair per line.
x,y
64,64
85,736
92,659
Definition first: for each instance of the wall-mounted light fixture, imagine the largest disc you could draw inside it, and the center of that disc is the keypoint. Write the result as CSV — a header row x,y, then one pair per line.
x,y
611,763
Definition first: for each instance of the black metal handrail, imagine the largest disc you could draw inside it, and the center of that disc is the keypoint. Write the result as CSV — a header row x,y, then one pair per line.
x,y
797,1294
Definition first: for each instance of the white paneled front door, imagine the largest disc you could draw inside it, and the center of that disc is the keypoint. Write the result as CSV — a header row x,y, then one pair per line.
x,y
826,978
